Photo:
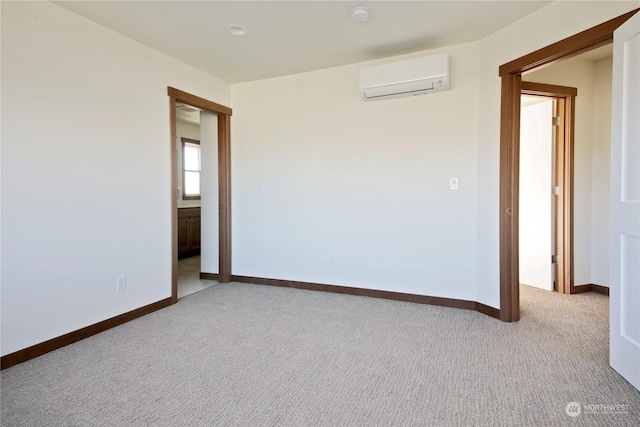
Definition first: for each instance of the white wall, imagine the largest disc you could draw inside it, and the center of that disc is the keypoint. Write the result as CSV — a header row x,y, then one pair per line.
x,y
601,173
355,194
328,188
329,174
85,171
545,26
191,131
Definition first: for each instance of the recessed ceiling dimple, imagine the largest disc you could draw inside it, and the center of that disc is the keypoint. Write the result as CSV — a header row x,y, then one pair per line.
x,y
237,30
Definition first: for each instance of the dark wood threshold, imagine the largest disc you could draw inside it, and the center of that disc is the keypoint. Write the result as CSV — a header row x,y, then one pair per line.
x,y
396,296
34,351
209,276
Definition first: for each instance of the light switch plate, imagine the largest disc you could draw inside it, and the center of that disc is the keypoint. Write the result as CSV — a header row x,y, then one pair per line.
x,y
453,184
121,283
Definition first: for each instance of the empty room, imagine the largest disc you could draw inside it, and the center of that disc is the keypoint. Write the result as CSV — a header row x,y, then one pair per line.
x,y
307,213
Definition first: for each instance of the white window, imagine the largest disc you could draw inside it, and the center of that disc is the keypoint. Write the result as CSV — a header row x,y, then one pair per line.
x,y
190,169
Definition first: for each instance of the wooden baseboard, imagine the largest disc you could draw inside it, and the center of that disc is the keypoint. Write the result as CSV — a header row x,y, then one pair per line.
x,y
397,296
590,287
34,351
604,290
209,276
487,309
580,289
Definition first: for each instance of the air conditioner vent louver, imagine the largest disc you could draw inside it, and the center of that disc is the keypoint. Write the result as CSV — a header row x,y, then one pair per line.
x,y
417,76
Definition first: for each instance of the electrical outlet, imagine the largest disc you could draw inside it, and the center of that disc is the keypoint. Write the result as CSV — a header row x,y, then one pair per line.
x,y
121,283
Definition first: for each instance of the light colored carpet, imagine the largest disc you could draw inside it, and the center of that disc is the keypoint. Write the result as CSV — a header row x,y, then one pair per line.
x,y
248,355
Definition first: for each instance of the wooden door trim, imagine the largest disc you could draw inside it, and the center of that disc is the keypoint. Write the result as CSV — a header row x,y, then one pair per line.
x,y
509,197
511,74
224,183
174,201
584,41
564,204
196,101
224,189
563,172
543,89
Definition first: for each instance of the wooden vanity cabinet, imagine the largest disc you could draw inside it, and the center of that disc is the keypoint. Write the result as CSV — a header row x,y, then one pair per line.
x,y
188,232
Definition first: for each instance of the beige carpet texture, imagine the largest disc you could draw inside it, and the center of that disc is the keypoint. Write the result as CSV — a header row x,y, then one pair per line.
x,y
249,355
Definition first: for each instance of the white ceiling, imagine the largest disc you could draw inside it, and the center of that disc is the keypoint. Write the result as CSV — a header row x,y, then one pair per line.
x,y
288,37
187,114
594,55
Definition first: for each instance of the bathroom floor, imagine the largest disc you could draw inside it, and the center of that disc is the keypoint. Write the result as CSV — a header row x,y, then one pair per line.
x,y
189,277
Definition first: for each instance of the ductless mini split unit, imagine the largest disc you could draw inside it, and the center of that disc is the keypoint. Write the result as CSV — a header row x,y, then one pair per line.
x,y
416,76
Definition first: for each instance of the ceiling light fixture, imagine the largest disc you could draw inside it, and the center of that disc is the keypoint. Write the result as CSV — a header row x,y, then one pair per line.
x,y
359,14
237,30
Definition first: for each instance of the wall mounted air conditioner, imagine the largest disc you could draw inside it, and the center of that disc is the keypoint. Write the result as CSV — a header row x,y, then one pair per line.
x,y
416,76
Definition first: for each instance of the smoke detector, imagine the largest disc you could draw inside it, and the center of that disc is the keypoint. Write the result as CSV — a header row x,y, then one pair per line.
x,y
237,30
359,14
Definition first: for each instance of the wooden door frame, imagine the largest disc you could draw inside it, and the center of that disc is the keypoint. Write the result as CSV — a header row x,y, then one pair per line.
x,y
511,75
224,184
563,173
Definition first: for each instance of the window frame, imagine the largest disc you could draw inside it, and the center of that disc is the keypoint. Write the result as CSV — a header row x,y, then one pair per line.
x,y
185,141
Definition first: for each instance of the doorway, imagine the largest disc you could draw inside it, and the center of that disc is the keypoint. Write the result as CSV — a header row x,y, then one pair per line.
x,y
196,149
536,207
188,151
557,188
221,116
511,75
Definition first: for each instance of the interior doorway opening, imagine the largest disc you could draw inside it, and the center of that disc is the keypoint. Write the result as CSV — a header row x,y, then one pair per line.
x,y
556,192
511,75
537,185
196,148
218,118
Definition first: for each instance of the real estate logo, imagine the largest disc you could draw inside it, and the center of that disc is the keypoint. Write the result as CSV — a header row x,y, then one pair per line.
x,y
573,409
